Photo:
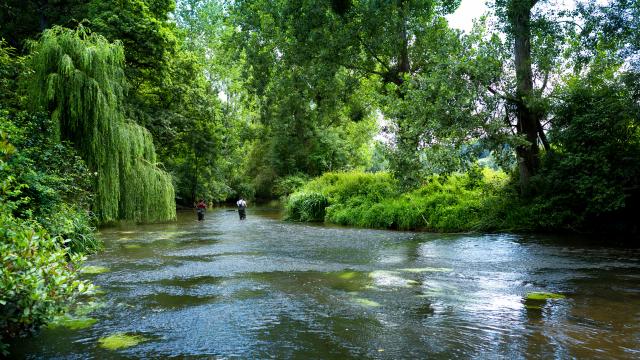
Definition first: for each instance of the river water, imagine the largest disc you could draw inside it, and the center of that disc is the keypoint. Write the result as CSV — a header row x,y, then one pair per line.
x,y
264,288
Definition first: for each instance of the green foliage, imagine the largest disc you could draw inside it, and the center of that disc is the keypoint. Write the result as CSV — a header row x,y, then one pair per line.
x,y
142,27
24,20
592,179
306,206
36,280
46,181
339,187
459,202
313,116
37,276
78,76
285,186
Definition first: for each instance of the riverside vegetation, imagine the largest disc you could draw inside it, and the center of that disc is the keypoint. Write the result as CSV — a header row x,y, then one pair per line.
x,y
365,113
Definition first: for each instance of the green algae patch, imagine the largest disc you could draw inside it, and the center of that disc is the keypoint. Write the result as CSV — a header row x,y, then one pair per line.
x,y
541,296
347,275
366,302
73,323
349,281
120,341
425,270
132,246
93,270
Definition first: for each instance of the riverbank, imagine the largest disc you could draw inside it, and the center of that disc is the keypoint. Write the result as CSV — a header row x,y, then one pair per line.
x,y
481,200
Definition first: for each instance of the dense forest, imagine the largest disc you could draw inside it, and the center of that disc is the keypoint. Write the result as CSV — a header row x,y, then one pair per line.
x,y
367,113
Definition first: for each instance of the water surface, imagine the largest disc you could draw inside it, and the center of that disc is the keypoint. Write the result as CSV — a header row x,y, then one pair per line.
x,y
263,288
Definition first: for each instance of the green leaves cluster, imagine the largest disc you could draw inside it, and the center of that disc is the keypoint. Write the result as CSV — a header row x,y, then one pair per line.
x,y
37,277
312,115
37,280
458,202
594,172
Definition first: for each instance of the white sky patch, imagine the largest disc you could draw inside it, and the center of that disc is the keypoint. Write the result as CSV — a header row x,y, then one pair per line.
x,y
222,96
468,10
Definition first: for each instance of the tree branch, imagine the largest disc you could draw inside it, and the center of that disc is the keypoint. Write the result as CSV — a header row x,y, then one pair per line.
x,y
543,137
354,67
505,97
368,49
544,82
507,120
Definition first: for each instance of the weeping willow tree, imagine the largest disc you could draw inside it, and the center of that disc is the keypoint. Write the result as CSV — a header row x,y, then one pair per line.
x,y
78,77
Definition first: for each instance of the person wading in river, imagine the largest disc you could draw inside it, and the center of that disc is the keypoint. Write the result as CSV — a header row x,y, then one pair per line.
x,y
202,206
242,208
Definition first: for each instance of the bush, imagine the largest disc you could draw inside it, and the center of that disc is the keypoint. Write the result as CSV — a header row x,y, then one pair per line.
x,y
45,181
339,187
36,280
459,202
306,206
44,190
591,181
72,224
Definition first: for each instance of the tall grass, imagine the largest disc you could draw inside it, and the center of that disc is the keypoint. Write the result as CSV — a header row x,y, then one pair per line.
x,y
458,202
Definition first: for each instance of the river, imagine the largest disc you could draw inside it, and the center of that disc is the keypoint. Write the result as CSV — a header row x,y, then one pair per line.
x,y
264,288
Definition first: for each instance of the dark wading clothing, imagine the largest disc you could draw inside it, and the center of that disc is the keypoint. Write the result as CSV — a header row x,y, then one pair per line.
x,y
201,209
242,209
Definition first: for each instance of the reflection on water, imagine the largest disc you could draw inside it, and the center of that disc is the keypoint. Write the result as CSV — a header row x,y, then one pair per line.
x,y
263,288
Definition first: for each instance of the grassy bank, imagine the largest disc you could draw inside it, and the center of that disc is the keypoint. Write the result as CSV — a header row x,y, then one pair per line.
x,y
480,200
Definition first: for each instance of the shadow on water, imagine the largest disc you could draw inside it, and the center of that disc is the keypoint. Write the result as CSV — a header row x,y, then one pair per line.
x,y
263,288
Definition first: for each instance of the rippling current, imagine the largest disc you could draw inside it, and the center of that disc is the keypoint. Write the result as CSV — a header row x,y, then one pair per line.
x,y
263,288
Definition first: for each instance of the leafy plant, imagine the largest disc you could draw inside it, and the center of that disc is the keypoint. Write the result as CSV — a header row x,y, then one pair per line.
x,y
37,279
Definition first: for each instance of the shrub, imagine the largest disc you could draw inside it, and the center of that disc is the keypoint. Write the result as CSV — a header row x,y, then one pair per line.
x,y
36,280
339,187
592,179
458,202
72,224
45,181
306,206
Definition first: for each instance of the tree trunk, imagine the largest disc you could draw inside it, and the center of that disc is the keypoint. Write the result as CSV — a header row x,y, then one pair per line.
x,y
519,13
406,159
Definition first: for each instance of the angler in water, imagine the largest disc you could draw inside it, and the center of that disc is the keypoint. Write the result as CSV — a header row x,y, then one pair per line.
x,y
201,207
242,208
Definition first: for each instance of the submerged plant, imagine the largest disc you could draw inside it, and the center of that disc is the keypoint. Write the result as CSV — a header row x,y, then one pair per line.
x,y
120,341
73,323
541,296
93,270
